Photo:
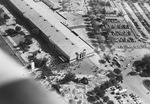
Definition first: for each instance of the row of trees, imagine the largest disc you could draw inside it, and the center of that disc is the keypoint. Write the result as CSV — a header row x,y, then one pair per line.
x,y
99,2
100,28
100,25
11,32
72,77
98,93
42,65
116,75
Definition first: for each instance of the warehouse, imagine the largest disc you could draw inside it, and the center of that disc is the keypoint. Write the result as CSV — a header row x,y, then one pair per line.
x,y
69,46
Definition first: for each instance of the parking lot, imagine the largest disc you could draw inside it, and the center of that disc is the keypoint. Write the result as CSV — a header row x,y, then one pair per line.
x,y
122,96
123,33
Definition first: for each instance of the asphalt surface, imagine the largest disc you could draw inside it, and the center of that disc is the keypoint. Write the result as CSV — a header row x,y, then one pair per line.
x,y
134,84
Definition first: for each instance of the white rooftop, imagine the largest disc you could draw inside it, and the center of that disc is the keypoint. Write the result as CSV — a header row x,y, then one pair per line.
x,y
52,28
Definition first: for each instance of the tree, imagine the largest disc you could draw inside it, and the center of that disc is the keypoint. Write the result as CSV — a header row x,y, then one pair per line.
x,y
110,102
95,26
92,17
104,11
23,46
102,47
113,81
101,39
96,89
99,102
146,61
110,40
68,77
137,63
56,87
39,62
91,3
120,14
117,71
102,86
107,84
90,93
6,17
28,40
134,1
111,75
102,61
105,99
105,33
119,78
102,16
76,80
132,73
102,3
91,99
105,22
99,92
10,31
139,69
17,28
46,71
108,3
143,65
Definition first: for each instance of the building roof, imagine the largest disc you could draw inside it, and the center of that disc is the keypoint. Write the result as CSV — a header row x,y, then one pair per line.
x,y
51,4
57,33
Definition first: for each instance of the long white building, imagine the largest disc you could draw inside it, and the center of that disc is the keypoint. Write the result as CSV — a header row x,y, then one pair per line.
x,y
67,44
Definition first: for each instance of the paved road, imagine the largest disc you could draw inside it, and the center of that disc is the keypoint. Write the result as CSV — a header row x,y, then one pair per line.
x,y
134,85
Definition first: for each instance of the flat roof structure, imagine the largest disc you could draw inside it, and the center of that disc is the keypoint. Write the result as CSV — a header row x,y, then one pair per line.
x,y
51,4
56,32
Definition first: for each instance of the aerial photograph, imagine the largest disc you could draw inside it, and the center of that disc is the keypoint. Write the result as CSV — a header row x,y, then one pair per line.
x,y
75,51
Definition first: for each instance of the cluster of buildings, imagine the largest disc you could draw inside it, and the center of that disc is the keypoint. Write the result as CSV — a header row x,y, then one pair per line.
x,y
68,45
